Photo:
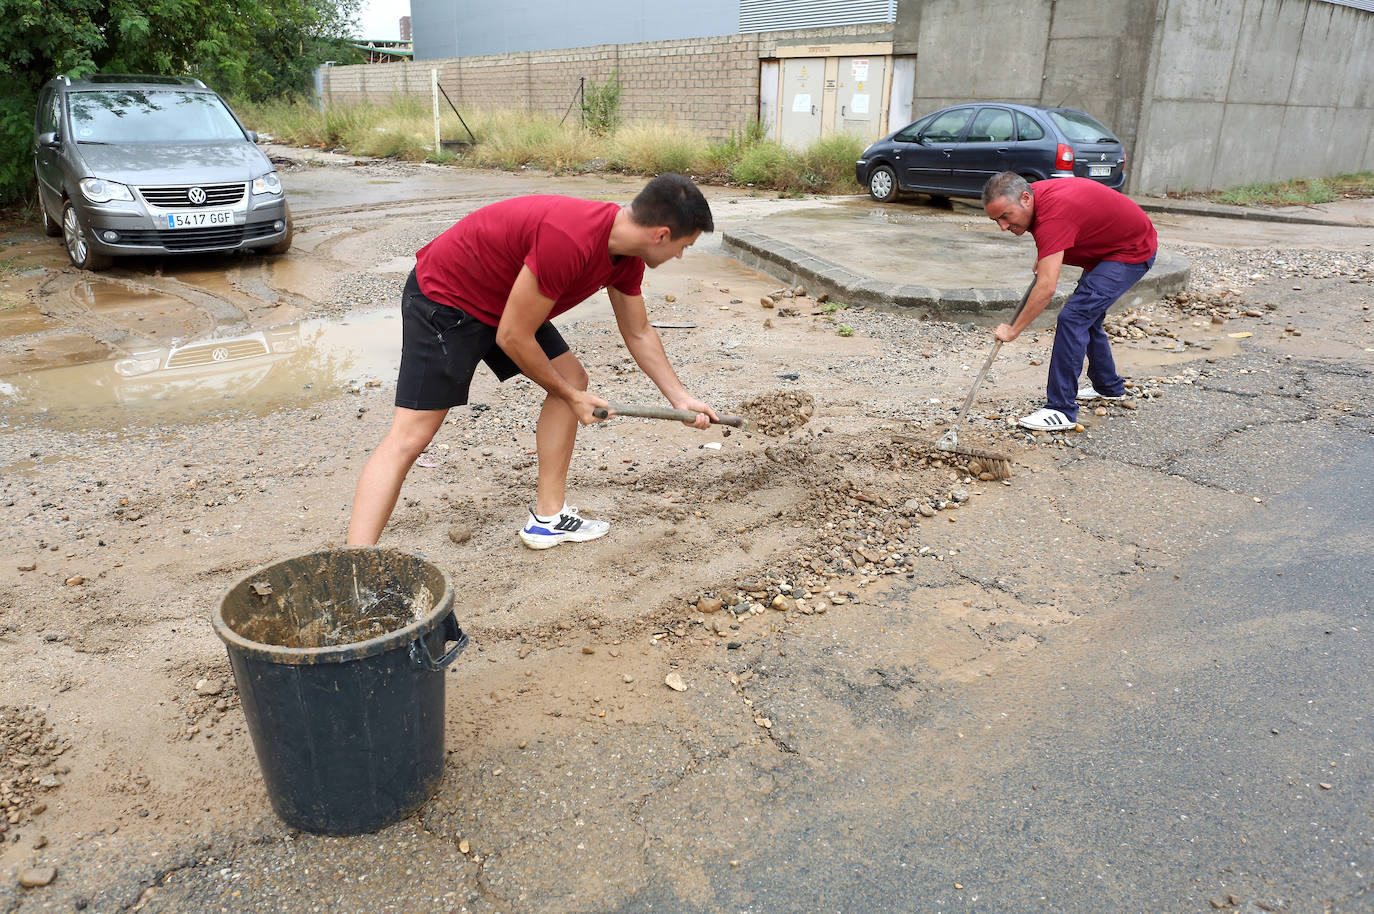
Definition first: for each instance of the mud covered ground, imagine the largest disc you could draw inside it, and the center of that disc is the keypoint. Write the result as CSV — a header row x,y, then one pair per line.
x,y
124,743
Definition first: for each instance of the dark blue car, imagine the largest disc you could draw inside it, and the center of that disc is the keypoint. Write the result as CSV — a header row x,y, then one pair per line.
x,y
952,152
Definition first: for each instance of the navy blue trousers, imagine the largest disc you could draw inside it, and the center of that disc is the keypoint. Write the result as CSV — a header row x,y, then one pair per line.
x,y
1078,333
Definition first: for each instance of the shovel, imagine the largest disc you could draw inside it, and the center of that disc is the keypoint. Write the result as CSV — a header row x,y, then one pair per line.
x,y
664,412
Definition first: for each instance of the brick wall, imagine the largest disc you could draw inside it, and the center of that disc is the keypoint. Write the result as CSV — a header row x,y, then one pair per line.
x,y
710,85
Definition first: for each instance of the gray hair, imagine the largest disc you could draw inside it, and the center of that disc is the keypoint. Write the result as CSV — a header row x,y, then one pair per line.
x,y
1007,184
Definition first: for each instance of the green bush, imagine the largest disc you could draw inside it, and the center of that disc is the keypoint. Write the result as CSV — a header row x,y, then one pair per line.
x,y
768,164
601,104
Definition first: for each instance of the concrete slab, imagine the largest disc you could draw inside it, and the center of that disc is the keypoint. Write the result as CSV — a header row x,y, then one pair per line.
x,y
895,258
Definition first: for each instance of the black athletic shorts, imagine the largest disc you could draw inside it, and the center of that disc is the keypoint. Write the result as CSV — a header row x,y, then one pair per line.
x,y
441,346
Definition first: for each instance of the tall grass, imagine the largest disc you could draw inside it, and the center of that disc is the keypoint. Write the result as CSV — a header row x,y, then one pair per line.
x,y
1298,191
404,129
651,149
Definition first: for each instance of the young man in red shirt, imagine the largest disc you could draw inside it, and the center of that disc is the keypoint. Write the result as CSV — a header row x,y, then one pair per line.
x,y
1084,224
484,291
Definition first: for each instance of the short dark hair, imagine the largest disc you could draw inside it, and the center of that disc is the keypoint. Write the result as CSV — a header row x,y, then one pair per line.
x,y
1007,184
674,201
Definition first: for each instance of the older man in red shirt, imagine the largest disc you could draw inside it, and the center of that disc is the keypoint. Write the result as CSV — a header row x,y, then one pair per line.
x,y
484,291
1084,224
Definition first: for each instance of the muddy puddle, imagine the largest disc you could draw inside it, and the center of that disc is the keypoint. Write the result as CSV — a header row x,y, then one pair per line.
x,y
253,372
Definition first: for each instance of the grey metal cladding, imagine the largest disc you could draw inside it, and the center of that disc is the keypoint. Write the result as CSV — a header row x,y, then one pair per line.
x,y
778,15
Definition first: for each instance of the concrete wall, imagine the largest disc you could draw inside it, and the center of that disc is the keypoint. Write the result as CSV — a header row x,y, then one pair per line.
x,y
710,85
1088,54
1203,93
1257,90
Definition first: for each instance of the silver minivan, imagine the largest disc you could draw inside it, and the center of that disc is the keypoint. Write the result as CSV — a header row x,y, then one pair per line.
x,y
130,165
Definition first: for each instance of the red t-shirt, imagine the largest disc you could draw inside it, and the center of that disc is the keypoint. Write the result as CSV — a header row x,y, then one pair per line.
x,y
563,240
1090,223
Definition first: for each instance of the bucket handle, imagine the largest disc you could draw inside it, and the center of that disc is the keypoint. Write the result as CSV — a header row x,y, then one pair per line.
x,y
419,649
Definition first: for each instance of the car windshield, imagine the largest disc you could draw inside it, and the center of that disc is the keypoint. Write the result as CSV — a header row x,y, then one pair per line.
x,y
1081,128
151,116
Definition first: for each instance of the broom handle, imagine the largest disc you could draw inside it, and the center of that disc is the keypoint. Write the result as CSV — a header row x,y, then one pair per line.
x,y
978,381
662,412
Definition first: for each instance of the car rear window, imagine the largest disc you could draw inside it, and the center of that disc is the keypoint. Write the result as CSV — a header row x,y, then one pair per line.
x,y
150,116
1081,128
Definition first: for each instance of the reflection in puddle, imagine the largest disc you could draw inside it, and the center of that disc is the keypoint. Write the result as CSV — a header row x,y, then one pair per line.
x,y
253,372
101,296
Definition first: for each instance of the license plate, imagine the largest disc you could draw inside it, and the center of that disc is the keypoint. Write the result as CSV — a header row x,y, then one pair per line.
x,y
1099,171
201,218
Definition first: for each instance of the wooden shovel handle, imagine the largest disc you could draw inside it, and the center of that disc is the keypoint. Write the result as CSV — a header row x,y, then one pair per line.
x,y
664,412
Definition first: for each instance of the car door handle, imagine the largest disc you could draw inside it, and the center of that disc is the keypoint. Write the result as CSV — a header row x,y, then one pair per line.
x,y
1002,150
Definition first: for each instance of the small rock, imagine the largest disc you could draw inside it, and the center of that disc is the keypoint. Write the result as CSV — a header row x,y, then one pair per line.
x,y
767,302
460,533
209,687
588,649
38,877
707,604
28,566
670,298
75,580
464,846
1100,411
674,682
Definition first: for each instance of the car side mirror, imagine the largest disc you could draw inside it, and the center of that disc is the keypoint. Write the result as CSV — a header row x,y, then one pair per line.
x,y
49,139
252,135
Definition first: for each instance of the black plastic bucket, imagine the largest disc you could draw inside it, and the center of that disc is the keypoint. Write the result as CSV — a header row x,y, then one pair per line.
x,y
339,659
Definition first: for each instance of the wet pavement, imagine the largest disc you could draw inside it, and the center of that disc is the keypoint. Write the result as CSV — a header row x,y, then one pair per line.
x,y
1134,679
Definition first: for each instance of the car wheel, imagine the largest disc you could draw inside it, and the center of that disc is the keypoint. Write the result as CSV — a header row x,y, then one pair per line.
x,y
50,228
882,184
281,247
78,246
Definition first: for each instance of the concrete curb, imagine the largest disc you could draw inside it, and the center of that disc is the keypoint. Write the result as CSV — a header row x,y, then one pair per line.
x,y
797,267
1221,211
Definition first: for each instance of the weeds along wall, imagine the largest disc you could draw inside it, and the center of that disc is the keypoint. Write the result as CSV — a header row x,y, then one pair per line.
x,y
710,85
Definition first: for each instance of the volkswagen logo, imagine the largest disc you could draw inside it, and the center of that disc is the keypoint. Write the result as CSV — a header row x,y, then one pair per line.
x,y
219,353
196,195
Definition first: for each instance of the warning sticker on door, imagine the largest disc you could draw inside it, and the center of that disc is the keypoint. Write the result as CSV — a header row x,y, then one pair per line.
x,y
860,68
801,103
859,104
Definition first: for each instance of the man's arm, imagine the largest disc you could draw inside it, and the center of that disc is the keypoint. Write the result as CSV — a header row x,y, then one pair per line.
x,y
644,344
1046,280
526,310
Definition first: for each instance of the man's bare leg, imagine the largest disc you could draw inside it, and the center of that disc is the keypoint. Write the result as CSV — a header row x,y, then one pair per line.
x,y
380,483
554,437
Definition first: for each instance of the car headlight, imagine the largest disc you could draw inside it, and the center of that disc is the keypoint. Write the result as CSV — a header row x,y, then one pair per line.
x,y
136,365
267,184
101,191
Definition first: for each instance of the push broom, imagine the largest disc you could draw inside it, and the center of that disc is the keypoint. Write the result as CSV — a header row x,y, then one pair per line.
x,y
999,465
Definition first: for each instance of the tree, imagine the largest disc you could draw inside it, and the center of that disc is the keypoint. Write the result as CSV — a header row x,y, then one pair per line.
x,y
253,48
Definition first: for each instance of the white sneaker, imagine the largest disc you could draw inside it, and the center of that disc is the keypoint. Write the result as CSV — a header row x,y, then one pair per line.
x,y
1086,392
1047,420
568,527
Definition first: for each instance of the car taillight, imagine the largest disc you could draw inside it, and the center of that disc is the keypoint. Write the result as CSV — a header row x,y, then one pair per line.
x,y
1064,157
